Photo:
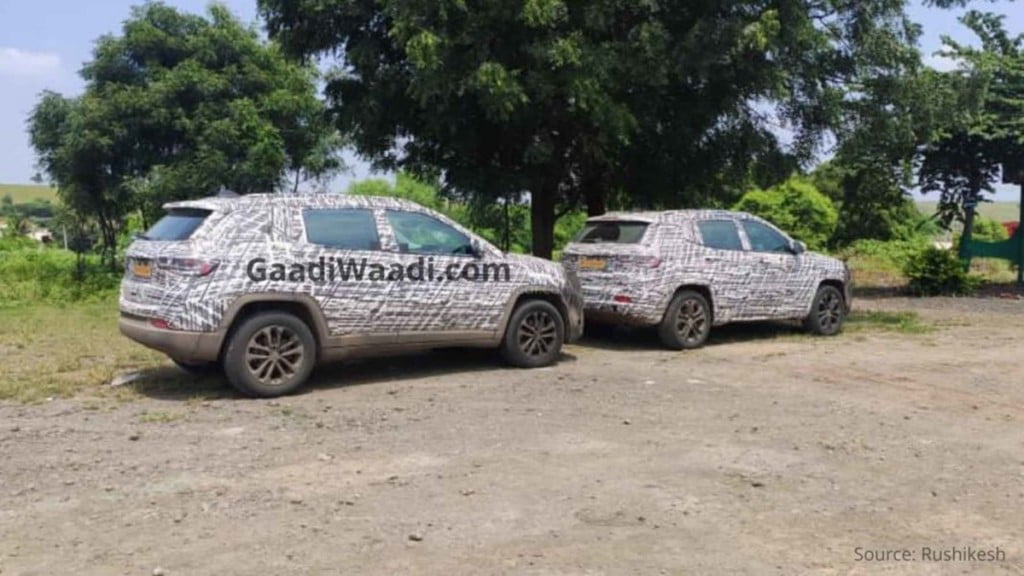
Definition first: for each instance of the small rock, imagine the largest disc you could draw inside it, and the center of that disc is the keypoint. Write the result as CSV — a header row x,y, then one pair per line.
x,y
158,571
757,484
134,437
626,422
15,429
295,499
416,537
467,492
324,457
126,378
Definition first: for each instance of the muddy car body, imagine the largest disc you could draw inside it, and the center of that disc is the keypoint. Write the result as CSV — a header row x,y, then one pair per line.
x,y
686,271
241,282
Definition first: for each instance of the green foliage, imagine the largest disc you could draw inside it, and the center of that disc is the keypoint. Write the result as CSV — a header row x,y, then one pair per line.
x,y
893,253
987,126
797,207
671,104
935,272
175,107
988,230
870,202
32,273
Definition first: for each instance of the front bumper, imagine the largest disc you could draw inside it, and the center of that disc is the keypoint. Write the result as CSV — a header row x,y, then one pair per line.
x,y
182,346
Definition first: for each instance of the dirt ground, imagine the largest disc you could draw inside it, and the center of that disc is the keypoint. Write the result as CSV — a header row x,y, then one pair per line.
x,y
765,453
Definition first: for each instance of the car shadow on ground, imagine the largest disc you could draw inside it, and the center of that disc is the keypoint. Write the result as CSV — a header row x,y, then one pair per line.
x,y
632,338
171,383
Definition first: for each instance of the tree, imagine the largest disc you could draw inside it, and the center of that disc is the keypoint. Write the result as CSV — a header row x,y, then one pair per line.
x,y
964,161
671,104
178,106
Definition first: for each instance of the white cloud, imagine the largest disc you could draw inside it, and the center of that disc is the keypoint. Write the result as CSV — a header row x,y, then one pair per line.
x,y
941,62
24,63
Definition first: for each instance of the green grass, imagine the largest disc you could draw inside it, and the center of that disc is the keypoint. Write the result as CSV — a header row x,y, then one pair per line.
x,y
880,321
59,351
21,193
998,211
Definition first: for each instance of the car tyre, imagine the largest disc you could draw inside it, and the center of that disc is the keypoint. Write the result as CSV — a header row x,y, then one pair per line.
x,y
534,335
270,354
687,321
828,311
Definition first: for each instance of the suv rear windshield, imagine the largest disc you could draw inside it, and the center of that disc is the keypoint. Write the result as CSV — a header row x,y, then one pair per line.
x,y
178,224
612,232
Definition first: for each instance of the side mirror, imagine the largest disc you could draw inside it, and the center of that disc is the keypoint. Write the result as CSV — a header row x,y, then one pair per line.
x,y
797,247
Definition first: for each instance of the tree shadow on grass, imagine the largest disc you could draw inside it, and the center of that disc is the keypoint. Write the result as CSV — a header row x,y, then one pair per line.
x,y
170,383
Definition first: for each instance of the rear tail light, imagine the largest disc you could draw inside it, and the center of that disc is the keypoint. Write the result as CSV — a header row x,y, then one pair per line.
x,y
622,298
160,323
188,266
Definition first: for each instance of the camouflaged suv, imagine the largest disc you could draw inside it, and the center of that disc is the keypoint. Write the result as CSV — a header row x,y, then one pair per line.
x,y
266,286
686,271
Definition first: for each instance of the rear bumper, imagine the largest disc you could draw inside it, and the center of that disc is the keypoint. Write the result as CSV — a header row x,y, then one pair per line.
x,y
182,346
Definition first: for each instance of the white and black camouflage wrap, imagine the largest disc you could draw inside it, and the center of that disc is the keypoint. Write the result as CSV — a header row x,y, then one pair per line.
x,y
271,227
638,280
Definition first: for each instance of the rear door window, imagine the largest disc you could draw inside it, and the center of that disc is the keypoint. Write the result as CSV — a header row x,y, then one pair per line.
x,y
178,224
612,232
342,229
720,234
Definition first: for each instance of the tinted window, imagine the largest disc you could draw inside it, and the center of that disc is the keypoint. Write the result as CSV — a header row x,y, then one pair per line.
x,y
178,224
612,232
422,234
764,239
342,229
721,234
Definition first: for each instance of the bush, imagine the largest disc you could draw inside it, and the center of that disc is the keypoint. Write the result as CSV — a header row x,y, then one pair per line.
x,y
33,273
797,207
935,272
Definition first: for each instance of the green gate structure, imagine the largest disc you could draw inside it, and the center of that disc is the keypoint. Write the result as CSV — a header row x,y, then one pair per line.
x,y
1012,249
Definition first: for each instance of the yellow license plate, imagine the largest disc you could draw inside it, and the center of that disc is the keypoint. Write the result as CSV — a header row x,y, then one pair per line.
x,y
142,269
592,264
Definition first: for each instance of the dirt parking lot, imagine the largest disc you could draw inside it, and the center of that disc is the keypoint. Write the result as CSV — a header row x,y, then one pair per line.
x,y
765,453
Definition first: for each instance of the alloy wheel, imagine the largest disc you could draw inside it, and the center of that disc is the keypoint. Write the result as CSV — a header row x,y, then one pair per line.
x,y
537,333
274,354
691,322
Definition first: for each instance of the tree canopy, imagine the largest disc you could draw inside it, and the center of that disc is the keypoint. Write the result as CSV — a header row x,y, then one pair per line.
x,y
178,106
676,102
987,131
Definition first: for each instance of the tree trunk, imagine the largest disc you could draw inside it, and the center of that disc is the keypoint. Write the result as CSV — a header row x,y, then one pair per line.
x,y
542,220
595,198
969,211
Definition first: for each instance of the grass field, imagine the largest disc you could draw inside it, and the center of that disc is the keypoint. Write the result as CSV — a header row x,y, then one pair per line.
x,y
57,351
27,192
998,211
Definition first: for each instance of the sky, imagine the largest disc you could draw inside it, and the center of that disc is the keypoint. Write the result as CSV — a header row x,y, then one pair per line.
x,y
43,44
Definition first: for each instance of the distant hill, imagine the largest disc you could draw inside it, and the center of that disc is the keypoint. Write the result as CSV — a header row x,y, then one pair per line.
x,y
998,211
21,193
